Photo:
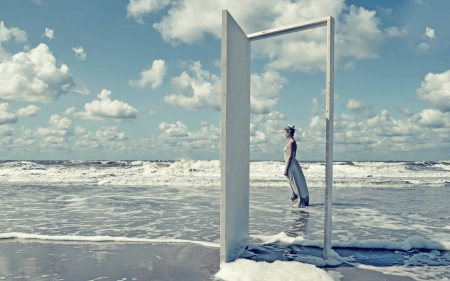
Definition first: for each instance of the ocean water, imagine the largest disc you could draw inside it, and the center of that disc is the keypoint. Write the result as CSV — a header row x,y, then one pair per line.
x,y
137,200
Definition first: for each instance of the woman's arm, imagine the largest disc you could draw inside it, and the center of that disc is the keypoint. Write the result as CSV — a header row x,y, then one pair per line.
x,y
288,160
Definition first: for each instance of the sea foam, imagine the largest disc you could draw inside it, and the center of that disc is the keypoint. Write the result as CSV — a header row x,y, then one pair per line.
x,y
198,173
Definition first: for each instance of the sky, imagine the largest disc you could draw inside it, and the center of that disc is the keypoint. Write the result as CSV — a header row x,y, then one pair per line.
x,y
141,79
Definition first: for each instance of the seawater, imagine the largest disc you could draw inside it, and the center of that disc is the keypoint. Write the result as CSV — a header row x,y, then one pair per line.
x,y
180,199
389,201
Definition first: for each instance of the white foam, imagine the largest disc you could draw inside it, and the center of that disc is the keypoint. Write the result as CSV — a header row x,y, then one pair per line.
x,y
196,173
247,270
414,242
18,235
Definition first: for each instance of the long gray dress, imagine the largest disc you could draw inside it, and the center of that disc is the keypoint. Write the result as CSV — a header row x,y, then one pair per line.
x,y
297,180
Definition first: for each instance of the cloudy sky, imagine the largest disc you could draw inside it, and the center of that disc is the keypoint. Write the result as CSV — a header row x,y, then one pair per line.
x,y
140,79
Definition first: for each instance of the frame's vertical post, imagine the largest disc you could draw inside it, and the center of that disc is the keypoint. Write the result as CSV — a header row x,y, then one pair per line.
x,y
329,137
234,139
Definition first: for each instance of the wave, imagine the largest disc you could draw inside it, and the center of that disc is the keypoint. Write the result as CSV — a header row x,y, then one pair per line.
x,y
410,243
198,173
73,238
413,242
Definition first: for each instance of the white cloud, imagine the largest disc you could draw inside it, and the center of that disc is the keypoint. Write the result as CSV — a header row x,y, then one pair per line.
x,y
364,111
28,111
49,33
202,89
360,36
177,139
429,32
358,33
34,77
70,110
110,134
258,138
173,130
154,75
422,48
393,32
13,32
435,89
106,109
405,111
138,8
79,52
273,122
152,113
59,127
5,35
6,130
432,118
197,88
84,91
265,91
6,115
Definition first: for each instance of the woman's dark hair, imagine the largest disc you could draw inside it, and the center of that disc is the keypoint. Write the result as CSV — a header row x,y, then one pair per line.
x,y
290,129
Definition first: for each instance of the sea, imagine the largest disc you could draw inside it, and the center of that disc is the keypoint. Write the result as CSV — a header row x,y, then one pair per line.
x,y
396,205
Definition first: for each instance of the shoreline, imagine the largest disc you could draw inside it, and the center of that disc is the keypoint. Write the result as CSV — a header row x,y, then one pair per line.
x,y
68,260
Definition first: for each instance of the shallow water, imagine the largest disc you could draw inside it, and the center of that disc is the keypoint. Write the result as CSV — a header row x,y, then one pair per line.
x,y
193,213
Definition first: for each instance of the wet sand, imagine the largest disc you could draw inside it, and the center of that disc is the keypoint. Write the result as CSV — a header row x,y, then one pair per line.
x,y
106,261
35,260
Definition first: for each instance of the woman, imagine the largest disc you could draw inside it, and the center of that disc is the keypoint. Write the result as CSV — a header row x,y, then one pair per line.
x,y
293,171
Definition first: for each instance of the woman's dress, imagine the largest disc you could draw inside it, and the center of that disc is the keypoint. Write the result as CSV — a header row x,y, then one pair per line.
x,y
296,180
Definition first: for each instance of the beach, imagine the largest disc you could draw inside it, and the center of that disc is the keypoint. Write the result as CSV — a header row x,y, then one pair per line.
x,y
159,220
31,260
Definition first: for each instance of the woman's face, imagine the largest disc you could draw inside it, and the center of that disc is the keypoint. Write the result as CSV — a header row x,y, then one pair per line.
x,y
286,134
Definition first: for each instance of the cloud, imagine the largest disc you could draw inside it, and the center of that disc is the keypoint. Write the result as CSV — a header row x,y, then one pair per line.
x,y
28,111
152,113
110,134
105,109
7,33
358,33
394,32
6,115
429,32
265,91
49,33
432,118
405,111
84,91
138,8
195,88
364,111
435,89
34,77
422,48
273,122
154,75
79,53
6,131
176,138
70,110
59,127
173,130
